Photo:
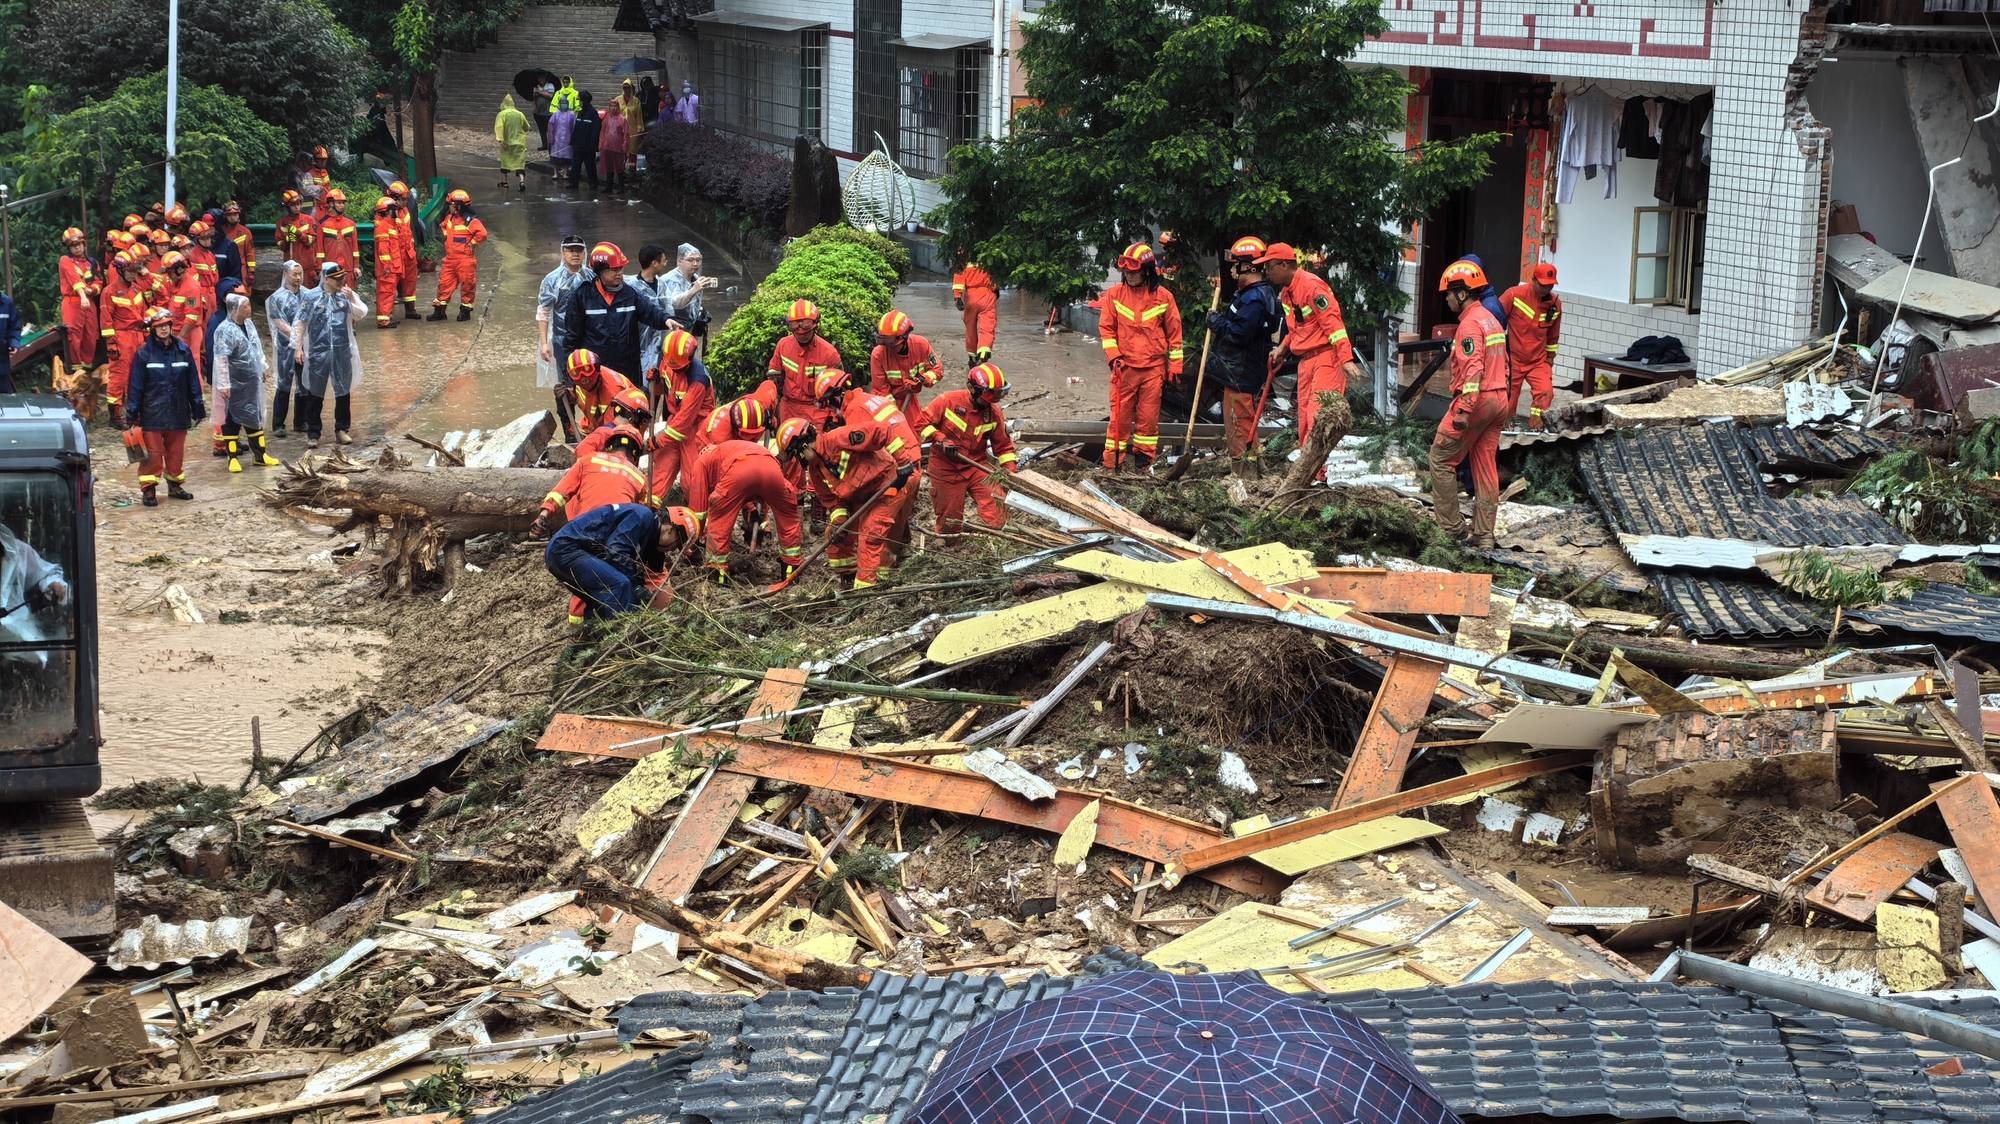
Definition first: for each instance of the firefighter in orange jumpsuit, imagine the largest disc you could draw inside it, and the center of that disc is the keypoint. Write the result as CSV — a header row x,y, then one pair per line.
x,y
844,481
746,419
178,220
685,396
239,236
798,361
889,430
406,232
1484,400
972,441
322,181
1315,334
185,301
77,278
630,409
462,233
201,261
608,474
298,236
972,291
339,236
1140,325
124,315
1534,324
596,387
390,265
725,479
902,365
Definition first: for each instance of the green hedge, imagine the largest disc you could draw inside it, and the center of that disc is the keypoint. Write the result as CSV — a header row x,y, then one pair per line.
x,y
847,277
888,249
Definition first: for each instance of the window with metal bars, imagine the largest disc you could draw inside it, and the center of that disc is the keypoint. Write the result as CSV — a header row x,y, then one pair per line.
x,y
764,84
938,107
876,23
812,82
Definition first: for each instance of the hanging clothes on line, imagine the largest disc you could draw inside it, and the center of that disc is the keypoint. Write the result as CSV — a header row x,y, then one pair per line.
x,y
1589,144
1682,177
1635,131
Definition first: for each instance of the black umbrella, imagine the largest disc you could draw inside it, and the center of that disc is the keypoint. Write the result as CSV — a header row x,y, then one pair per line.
x,y
639,64
526,81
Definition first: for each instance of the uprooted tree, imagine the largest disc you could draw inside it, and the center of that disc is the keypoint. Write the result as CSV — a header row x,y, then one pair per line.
x,y
1211,119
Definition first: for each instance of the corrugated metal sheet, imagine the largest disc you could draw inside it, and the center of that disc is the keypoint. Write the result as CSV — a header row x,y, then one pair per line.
x,y
157,942
1941,610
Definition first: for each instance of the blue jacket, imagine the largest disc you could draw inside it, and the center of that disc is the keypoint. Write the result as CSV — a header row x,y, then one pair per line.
x,y
165,393
1243,334
10,336
613,329
627,535
228,260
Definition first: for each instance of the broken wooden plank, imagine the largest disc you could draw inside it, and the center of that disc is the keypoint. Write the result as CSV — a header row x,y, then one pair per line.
x,y
1872,875
1971,749
1938,792
38,968
1109,516
1382,752
1712,867
1881,689
1713,917
1973,817
1060,691
1336,846
1390,591
1197,861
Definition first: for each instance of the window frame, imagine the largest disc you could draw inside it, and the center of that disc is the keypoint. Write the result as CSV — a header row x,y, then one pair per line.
x,y
755,83
1681,260
925,136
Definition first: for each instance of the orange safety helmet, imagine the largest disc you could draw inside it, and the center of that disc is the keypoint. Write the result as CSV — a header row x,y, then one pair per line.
x,y
131,221
383,205
119,238
181,242
623,436
319,152
288,197
632,401
802,309
178,216
1136,256
829,384
1247,248
677,349
1462,272
173,260
160,238
335,195
581,360
156,316
748,414
123,260
607,255
460,196
401,190
72,234
894,324
987,379
198,228
140,252
792,432
686,520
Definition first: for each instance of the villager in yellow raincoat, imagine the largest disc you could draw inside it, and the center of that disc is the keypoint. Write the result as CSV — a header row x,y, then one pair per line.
x,y
510,128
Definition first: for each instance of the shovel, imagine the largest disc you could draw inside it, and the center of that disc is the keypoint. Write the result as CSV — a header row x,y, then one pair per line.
x,y
1180,467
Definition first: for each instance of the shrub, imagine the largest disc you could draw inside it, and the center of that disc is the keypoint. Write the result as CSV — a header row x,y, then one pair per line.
x,y
850,266
850,282
888,249
722,169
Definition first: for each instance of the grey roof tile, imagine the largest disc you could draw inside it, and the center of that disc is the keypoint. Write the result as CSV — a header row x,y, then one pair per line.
x,y
1942,610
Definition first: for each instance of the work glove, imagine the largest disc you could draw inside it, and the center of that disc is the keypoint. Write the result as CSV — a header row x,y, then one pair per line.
x,y
1215,320
903,475
958,303
539,529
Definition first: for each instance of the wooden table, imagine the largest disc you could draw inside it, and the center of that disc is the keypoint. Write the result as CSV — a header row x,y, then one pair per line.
x,y
1630,374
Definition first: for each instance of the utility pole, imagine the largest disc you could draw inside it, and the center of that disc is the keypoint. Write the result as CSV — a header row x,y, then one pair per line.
x,y
173,89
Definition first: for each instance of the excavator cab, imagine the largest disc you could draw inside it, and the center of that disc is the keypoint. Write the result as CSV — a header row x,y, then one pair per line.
x,y
51,868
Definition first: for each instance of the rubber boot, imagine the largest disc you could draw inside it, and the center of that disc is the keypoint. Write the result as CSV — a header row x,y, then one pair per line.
x,y
235,448
263,455
178,491
410,311
464,314
118,416
437,312
149,495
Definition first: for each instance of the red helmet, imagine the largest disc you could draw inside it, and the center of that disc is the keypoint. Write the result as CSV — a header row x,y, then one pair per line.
x,y
1462,272
988,379
748,414
319,152
829,384
581,361
803,310
1247,248
460,196
631,400
178,216
401,190
686,520
1136,256
607,255
894,324
792,433
677,349
156,316
72,234
335,195
624,437
288,197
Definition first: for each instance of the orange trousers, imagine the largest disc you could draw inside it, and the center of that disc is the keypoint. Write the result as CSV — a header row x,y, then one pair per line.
x,y
864,542
1320,372
1471,429
950,482
982,313
166,454
461,272
1135,413
387,285
752,481
1239,422
124,347
79,334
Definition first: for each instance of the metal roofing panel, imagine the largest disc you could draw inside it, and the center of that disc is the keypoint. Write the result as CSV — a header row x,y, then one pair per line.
x,y
645,1092
757,21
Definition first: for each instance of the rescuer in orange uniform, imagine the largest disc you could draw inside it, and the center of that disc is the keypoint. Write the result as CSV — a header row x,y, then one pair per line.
x,y
724,479
972,440
684,396
239,237
973,292
1482,404
843,480
888,429
1140,325
321,178
124,314
201,263
746,419
608,474
902,365
406,233
1314,332
185,302
798,360
297,236
630,409
390,264
339,236
77,277
1534,324
462,233
596,386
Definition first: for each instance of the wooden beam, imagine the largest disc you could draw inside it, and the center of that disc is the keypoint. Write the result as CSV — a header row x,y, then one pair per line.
x,y
1938,792
1390,591
1973,817
1382,752
1872,875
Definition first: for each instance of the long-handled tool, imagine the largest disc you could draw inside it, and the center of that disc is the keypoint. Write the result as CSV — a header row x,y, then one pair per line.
x,y
1180,467
831,534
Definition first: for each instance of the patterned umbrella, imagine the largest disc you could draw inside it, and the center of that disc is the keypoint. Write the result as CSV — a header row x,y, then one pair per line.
x,y
1153,1048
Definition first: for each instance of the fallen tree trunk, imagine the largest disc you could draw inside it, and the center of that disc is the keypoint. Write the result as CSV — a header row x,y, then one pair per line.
x,y
423,510
788,967
1661,652
1331,424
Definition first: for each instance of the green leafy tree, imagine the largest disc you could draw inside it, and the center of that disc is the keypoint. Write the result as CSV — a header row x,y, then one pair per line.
x,y
1209,118
407,43
291,61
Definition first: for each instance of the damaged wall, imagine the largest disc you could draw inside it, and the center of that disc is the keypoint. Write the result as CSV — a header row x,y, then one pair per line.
x,y
1877,165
